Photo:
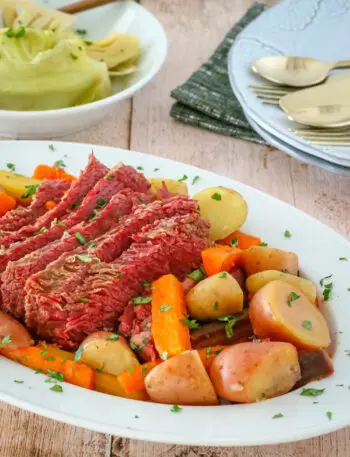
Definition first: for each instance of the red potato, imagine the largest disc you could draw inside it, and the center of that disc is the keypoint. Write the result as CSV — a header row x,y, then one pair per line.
x,y
259,258
12,334
281,312
181,380
249,372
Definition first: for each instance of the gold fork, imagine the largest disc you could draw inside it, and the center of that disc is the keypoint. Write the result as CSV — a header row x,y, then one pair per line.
x,y
270,94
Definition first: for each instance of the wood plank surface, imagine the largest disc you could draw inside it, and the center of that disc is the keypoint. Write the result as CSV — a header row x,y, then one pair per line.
x,y
194,28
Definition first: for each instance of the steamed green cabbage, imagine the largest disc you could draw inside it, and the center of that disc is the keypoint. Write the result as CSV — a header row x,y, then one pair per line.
x,y
44,69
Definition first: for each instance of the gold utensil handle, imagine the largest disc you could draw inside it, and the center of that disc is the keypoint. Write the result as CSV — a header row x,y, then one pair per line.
x,y
84,5
342,64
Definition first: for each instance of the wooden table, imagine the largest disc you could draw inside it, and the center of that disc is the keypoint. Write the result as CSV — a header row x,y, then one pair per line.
x,y
194,28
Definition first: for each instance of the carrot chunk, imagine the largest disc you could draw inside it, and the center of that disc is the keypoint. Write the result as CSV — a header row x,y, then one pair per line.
x,y
241,240
134,380
220,258
46,172
6,203
171,336
207,354
50,204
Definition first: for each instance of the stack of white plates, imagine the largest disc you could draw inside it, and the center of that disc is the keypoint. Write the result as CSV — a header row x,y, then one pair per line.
x,y
312,28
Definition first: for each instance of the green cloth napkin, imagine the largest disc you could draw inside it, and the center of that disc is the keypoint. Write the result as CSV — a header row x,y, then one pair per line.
x,y
206,99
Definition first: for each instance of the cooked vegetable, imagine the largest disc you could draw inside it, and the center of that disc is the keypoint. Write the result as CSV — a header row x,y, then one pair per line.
x,y
314,364
50,204
6,203
181,380
241,240
46,172
47,69
249,372
13,335
208,354
220,258
171,336
161,186
214,297
282,312
258,280
214,333
17,186
225,209
134,379
42,359
108,352
258,258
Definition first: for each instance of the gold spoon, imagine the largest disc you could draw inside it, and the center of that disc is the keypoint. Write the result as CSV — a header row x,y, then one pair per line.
x,y
295,71
329,116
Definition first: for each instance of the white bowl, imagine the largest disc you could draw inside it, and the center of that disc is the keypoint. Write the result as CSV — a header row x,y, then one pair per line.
x,y
128,17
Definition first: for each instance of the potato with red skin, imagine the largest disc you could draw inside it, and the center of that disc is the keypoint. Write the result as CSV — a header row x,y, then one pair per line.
x,y
281,312
181,380
260,258
252,371
12,334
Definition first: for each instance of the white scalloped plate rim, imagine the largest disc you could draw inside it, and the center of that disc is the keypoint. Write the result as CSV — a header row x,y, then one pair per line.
x,y
319,249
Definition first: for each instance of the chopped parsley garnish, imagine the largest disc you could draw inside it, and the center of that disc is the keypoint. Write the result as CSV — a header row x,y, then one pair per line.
x,y
144,371
197,275
146,284
292,297
216,196
183,178
325,279
345,259
136,416
287,234
216,306
61,224
194,180
307,325
11,166
55,375
88,42
42,230
73,56
109,177
76,204
92,244
310,392
165,308
277,416
38,371
156,169
10,33
18,381
210,352
176,409
52,147
59,164
329,414
101,203
43,352
83,258
6,340
31,190
139,168
234,242
229,323
80,238
81,31
50,358
113,337
142,300
192,324
84,300
134,346
164,356
79,353
327,288
57,388
263,244
223,275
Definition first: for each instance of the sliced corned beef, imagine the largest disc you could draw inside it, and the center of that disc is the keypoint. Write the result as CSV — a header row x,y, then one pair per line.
x,y
171,245
52,190
93,172
120,239
17,272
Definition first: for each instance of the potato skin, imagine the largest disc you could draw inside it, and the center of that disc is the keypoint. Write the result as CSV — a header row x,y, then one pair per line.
x,y
249,372
259,280
102,351
273,316
20,337
174,187
259,258
181,380
224,208
216,296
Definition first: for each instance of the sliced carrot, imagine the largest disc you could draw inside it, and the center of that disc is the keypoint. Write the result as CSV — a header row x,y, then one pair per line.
x,y
50,204
220,258
6,203
42,358
46,172
170,334
134,380
241,240
207,354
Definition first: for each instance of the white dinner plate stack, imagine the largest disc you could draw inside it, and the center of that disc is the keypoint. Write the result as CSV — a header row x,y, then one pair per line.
x,y
312,28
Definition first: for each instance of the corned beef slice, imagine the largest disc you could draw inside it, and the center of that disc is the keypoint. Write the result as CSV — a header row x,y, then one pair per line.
x,y
93,172
171,245
24,215
98,196
17,272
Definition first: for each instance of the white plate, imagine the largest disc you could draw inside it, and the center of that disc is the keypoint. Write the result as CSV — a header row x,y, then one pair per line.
x,y
297,153
319,248
314,28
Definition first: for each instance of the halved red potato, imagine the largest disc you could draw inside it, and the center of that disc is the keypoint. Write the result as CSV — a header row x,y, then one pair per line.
x,y
181,380
260,258
282,312
249,372
12,334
